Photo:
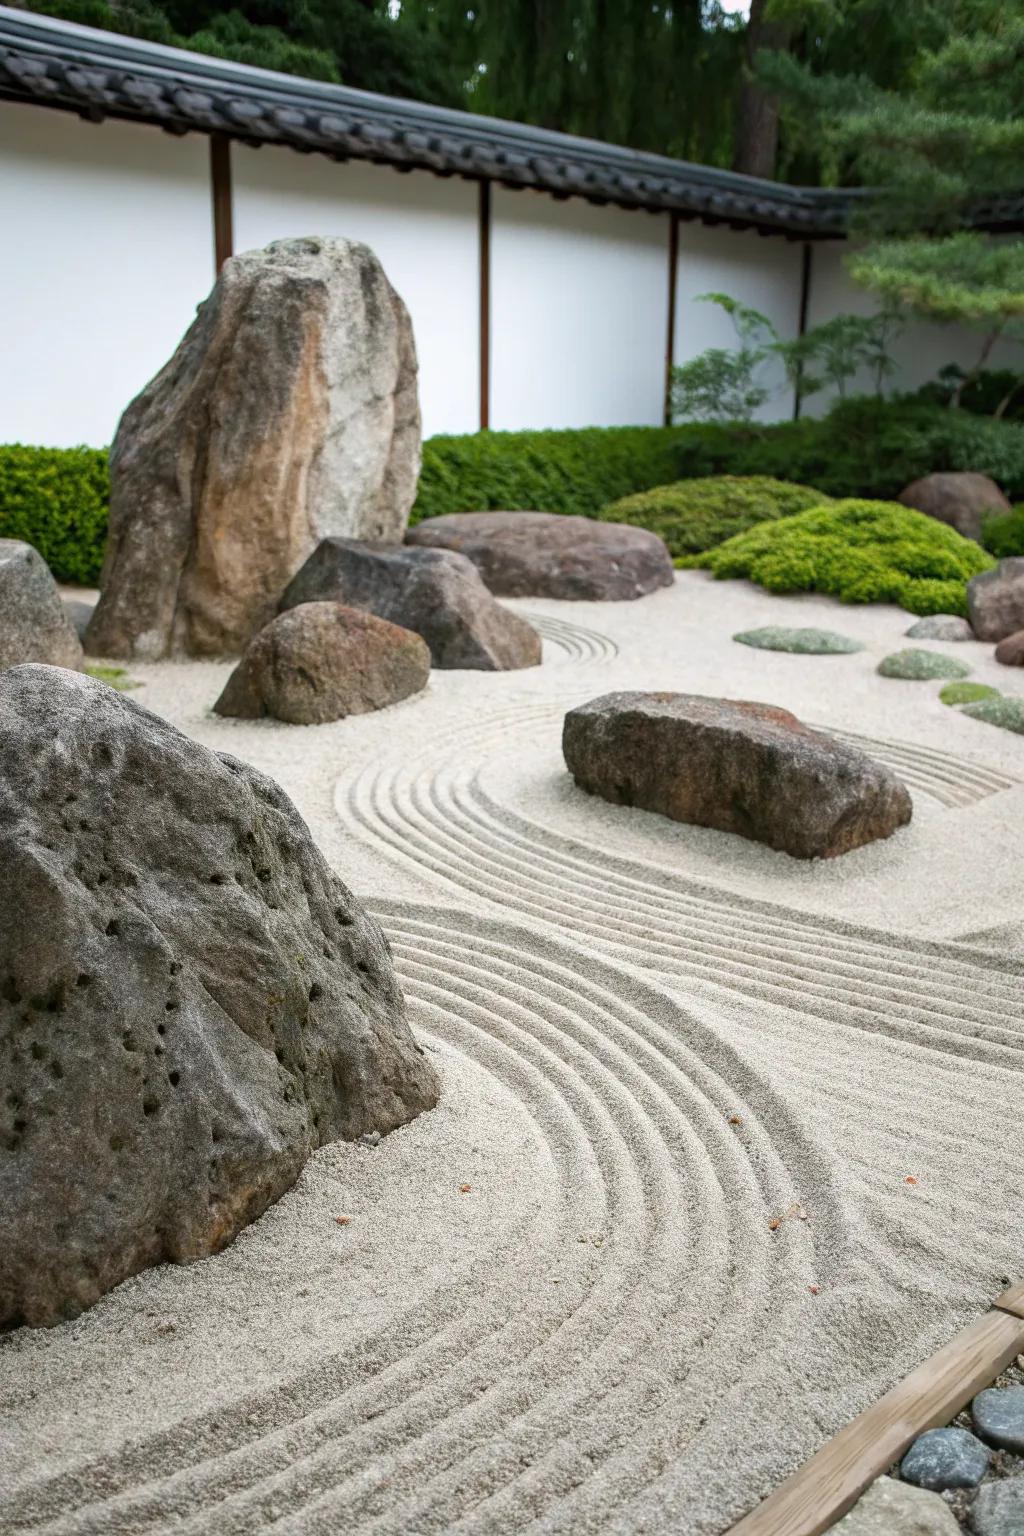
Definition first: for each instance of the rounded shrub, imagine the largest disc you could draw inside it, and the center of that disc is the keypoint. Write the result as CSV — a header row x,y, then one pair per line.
x,y
694,515
859,552
1003,535
57,499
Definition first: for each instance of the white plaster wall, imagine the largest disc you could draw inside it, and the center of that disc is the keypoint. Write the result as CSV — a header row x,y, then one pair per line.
x,y
106,251
579,307
423,228
762,272
922,349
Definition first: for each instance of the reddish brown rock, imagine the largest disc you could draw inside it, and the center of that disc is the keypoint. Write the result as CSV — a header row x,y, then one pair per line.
x,y
1011,650
543,554
961,499
740,767
321,662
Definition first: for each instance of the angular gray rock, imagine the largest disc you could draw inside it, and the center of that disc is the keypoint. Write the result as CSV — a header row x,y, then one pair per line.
x,y
998,1508
959,498
33,624
998,1415
544,554
941,626
191,1001
78,613
891,1508
745,768
288,413
322,661
433,592
995,600
945,1458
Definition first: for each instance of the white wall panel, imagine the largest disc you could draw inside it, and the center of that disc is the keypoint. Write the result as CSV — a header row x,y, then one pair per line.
x,y
921,350
107,249
579,306
762,272
423,228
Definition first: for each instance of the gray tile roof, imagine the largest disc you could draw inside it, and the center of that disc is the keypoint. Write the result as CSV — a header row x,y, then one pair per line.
x,y
101,74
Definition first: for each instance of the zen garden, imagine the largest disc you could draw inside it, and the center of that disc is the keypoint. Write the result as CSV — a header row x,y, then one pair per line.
x,y
512,768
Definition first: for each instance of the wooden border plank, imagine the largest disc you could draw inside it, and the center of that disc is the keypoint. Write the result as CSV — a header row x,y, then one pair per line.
x,y
220,192
1011,1301
825,1487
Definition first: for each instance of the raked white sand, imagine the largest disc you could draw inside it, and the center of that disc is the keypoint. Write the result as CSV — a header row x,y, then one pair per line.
x,y
655,1041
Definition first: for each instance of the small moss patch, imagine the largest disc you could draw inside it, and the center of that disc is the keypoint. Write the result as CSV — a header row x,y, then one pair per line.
x,y
916,666
967,693
116,677
802,642
1001,711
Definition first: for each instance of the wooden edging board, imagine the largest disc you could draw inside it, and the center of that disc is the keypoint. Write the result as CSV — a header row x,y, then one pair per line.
x,y
824,1488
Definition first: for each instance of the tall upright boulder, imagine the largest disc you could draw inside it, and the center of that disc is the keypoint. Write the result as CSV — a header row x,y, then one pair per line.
x,y
289,413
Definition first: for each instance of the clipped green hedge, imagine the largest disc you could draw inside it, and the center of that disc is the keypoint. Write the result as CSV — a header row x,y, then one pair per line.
x,y
572,471
1003,534
860,552
57,499
694,515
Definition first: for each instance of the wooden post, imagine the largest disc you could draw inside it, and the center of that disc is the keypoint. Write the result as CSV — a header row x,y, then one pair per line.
x,y
220,190
805,299
670,339
485,305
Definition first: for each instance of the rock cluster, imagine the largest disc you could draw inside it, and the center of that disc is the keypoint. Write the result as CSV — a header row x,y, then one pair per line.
x,y
191,1001
288,413
545,554
433,592
322,661
740,767
33,623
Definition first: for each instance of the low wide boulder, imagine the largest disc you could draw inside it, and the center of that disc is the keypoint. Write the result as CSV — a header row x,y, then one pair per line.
x,y
191,1001
33,623
739,767
322,661
995,600
288,413
961,499
543,554
433,592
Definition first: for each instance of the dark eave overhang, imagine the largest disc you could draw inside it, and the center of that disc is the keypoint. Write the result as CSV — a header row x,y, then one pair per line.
x,y
97,74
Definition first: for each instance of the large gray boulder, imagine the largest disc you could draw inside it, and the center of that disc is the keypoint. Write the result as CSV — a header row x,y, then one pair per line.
x,y
433,592
191,1001
288,413
322,661
33,623
958,498
746,768
544,554
995,600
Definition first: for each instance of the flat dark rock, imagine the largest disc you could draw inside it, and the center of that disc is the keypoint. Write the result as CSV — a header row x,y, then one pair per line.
x,y
433,592
191,1001
322,661
740,767
998,1415
945,1458
33,623
543,554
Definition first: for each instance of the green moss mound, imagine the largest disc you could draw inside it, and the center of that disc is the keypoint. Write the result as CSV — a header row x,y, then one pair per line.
x,y
801,642
917,666
859,552
1001,711
967,693
56,499
115,677
1003,535
694,515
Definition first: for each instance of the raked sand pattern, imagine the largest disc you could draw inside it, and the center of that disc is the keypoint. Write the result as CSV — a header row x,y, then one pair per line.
x,y
741,1137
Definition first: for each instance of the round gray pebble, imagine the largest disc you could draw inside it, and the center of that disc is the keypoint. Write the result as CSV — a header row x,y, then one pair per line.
x,y
945,1458
998,1415
998,1508
941,626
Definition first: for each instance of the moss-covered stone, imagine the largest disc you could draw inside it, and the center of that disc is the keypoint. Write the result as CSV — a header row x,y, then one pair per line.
x,y
967,693
1001,711
918,666
802,642
117,677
